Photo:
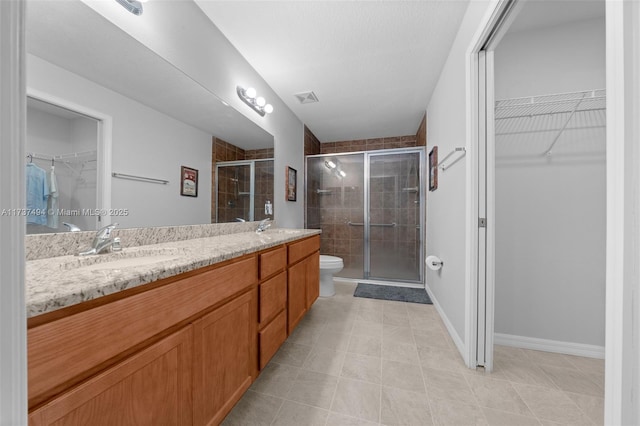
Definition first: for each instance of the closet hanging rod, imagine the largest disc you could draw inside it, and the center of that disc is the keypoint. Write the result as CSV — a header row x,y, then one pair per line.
x,y
548,113
527,132
61,157
443,166
140,178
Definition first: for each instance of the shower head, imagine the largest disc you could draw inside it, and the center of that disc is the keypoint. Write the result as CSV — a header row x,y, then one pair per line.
x,y
132,6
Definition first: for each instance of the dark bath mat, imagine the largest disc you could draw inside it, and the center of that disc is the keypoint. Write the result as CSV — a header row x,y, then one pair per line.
x,y
386,292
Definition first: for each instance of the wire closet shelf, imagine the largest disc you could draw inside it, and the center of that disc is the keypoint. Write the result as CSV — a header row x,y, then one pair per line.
x,y
553,114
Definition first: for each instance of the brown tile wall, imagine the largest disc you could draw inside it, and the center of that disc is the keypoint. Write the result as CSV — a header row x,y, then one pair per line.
x,y
263,188
421,135
408,141
311,143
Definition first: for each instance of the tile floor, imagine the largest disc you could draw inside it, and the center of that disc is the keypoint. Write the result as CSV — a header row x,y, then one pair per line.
x,y
355,361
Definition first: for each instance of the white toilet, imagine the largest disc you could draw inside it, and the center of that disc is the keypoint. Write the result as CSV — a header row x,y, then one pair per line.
x,y
329,265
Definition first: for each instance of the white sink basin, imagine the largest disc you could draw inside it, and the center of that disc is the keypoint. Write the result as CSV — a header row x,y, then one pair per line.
x,y
282,231
129,262
128,257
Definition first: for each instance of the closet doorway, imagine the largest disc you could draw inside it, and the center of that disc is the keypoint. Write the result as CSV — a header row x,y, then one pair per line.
x,y
68,149
542,174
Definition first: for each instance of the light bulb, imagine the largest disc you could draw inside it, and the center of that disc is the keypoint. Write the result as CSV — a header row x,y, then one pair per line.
x,y
268,108
260,101
330,164
342,173
250,93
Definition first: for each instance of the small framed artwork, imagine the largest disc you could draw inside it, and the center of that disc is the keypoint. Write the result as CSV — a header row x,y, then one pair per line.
x,y
188,182
433,169
292,184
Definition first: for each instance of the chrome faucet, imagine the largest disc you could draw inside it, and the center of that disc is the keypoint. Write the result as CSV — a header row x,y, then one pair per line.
x,y
103,241
263,225
72,227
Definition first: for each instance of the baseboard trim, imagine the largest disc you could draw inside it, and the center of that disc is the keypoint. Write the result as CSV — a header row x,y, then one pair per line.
x,y
568,348
450,328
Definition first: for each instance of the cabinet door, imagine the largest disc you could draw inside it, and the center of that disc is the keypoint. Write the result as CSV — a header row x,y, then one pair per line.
x,y
313,278
297,294
225,357
152,387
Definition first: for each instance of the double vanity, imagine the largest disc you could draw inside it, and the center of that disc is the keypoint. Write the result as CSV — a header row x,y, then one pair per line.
x,y
168,333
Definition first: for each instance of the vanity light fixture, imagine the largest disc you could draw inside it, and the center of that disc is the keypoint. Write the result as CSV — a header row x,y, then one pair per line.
x,y
133,6
257,103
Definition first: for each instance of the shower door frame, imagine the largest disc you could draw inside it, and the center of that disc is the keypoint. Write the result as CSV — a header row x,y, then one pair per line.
x,y
420,283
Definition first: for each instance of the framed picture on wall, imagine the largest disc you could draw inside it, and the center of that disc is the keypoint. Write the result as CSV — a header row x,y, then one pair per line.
x,y
291,180
188,182
433,169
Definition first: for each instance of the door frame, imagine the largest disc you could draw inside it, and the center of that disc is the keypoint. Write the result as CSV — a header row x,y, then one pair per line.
x,y
480,241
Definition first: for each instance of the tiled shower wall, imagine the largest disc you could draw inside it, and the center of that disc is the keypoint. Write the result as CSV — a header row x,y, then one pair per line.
x,y
341,202
233,205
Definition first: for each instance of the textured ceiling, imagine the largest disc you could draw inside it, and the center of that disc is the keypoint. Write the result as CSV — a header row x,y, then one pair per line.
x,y
372,65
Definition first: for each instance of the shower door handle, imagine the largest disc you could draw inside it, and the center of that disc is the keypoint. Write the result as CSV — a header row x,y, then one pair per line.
x,y
385,225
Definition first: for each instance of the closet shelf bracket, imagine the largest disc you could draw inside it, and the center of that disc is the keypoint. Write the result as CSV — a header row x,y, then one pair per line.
x,y
566,123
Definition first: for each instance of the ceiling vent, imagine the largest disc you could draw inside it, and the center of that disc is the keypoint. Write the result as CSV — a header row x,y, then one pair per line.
x,y
306,97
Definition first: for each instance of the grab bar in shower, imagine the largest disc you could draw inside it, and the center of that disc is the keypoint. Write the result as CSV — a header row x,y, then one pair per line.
x,y
386,225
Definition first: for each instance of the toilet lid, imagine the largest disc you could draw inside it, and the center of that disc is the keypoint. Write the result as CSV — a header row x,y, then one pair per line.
x,y
330,261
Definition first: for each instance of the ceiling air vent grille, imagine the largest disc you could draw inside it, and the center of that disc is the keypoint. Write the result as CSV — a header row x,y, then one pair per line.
x,y
306,97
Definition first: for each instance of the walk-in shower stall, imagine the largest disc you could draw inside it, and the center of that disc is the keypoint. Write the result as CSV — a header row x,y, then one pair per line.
x,y
242,190
369,206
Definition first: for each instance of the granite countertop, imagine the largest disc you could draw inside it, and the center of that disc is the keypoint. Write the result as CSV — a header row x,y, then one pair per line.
x,y
58,282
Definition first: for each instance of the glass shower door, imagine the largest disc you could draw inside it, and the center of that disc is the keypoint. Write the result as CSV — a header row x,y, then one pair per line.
x,y
393,225
234,192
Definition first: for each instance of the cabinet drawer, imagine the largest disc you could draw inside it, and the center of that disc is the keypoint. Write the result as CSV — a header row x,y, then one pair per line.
x,y
65,351
301,249
273,296
272,262
271,337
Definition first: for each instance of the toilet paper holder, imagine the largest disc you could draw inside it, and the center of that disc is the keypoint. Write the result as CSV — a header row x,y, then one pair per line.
x,y
434,262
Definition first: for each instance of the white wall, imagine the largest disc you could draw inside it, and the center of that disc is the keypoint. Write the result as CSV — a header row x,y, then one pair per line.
x,y
446,220
550,212
559,59
146,143
194,45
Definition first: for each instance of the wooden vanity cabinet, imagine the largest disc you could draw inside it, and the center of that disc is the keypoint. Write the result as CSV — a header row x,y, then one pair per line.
x,y
179,351
158,376
121,362
304,278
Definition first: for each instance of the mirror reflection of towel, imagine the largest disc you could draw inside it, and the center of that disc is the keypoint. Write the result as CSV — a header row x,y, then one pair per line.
x,y
37,193
52,200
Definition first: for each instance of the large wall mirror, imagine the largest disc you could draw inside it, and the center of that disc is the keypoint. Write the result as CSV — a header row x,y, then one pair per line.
x,y
118,123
